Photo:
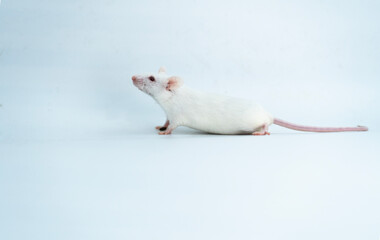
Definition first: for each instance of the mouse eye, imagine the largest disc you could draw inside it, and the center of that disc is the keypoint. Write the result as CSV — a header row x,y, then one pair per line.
x,y
151,78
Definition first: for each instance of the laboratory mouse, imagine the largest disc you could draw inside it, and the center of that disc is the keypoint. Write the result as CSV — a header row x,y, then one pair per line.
x,y
212,113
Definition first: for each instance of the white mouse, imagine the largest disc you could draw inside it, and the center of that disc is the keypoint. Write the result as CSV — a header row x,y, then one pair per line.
x,y
210,112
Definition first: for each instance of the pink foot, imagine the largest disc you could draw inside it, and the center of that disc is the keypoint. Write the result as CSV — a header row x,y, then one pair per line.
x,y
165,133
261,133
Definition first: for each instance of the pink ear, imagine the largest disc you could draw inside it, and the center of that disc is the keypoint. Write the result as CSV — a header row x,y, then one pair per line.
x,y
162,70
174,83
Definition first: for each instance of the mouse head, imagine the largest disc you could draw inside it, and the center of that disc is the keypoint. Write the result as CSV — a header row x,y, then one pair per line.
x,y
157,85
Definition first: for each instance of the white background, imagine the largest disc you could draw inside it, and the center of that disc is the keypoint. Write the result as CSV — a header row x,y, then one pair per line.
x,y
79,156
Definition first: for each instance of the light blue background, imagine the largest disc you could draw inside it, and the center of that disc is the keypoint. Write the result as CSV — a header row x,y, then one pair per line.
x,y
79,156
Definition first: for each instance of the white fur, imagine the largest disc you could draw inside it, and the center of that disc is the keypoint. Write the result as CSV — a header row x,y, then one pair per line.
x,y
203,111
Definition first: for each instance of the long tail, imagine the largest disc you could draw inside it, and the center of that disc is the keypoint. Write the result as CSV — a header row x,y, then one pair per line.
x,y
317,129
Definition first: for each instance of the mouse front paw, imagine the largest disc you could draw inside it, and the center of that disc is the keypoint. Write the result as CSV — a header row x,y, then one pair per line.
x,y
165,133
161,128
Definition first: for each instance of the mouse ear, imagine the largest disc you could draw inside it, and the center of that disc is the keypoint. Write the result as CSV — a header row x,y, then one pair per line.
x,y
174,83
162,70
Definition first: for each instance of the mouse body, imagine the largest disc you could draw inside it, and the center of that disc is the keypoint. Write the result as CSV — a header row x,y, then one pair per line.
x,y
212,113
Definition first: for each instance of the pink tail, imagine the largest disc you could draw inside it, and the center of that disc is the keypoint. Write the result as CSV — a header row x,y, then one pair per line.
x,y
317,129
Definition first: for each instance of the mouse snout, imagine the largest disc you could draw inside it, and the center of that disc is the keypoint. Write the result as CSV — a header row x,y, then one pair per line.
x,y
134,78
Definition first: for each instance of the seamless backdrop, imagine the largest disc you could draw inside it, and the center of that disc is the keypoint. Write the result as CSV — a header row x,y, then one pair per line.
x,y
79,156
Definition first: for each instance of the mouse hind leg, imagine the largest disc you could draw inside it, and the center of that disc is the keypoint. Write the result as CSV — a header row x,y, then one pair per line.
x,y
261,131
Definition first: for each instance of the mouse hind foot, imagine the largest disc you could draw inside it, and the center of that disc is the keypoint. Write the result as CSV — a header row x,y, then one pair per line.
x,y
261,131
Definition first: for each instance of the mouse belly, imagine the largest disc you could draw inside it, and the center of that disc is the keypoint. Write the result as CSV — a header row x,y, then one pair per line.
x,y
224,130
245,123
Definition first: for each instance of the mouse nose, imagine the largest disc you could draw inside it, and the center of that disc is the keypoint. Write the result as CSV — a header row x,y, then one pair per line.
x,y
134,78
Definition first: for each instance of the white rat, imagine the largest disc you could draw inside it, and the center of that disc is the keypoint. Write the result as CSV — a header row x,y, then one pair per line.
x,y
212,113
